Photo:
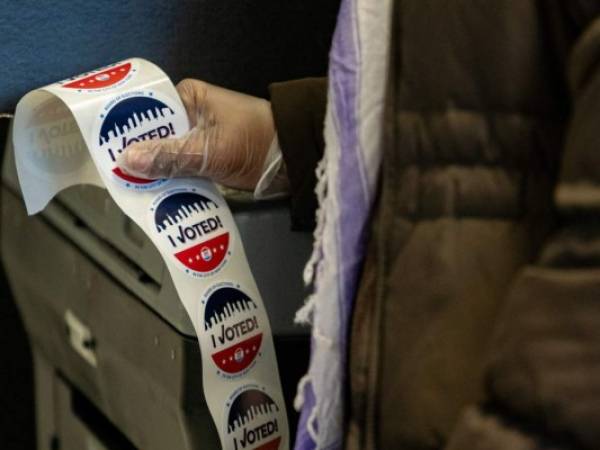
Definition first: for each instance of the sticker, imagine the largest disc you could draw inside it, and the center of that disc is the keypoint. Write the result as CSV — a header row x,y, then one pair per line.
x,y
54,141
134,117
108,77
254,420
190,227
57,129
234,329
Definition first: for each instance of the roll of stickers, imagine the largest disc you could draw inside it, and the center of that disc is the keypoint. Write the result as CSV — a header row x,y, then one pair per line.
x,y
72,132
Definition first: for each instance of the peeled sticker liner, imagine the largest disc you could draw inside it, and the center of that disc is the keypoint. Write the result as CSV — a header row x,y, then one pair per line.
x,y
72,132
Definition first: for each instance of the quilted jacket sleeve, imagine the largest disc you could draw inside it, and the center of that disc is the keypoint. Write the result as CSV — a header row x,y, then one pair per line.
x,y
299,111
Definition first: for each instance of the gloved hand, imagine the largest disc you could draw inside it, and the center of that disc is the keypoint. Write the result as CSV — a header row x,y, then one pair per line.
x,y
230,136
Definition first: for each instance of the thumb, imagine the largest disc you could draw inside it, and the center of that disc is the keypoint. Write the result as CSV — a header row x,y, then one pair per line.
x,y
164,158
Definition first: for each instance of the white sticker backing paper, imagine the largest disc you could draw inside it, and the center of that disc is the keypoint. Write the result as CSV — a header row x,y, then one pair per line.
x,y
56,130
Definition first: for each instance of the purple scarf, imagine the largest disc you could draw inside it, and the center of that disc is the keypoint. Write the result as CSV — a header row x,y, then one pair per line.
x,y
346,190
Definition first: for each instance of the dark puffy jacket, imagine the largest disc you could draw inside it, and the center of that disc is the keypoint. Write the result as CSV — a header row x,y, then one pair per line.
x,y
477,321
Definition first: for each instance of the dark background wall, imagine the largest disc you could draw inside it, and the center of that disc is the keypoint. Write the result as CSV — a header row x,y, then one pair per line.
x,y
240,44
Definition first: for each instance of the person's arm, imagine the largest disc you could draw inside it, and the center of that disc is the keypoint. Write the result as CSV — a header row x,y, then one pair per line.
x,y
543,379
235,138
299,111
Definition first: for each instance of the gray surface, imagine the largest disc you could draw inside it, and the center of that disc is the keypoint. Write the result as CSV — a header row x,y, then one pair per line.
x,y
17,421
240,44
147,380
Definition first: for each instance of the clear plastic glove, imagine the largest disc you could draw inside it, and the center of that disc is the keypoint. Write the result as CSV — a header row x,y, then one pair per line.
x,y
231,134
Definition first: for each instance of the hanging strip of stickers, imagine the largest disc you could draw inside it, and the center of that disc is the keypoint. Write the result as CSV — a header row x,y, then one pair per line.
x,y
56,130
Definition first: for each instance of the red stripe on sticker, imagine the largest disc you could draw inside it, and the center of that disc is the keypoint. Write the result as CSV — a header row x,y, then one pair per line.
x,y
102,79
271,445
238,356
205,256
125,176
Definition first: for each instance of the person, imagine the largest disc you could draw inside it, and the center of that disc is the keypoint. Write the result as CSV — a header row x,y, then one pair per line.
x,y
476,321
